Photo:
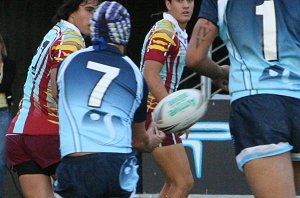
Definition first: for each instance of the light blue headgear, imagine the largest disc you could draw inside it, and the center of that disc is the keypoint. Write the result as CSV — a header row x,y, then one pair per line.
x,y
110,23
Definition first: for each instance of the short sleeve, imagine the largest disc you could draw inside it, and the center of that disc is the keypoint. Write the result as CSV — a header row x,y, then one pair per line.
x,y
160,44
209,11
141,112
63,47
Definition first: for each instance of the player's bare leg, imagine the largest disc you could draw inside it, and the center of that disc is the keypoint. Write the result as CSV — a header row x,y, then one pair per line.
x,y
271,177
36,186
296,166
173,162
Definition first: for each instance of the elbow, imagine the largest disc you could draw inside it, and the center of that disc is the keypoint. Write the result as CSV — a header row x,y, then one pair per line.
x,y
193,62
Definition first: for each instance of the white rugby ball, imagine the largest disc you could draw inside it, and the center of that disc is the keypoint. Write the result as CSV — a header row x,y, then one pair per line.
x,y
179,110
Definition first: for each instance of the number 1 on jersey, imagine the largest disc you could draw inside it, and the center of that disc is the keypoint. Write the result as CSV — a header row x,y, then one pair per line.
x,y
267,10
99,90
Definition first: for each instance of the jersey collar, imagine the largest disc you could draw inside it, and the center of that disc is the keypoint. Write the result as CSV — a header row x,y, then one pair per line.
x,y
71,26
183,36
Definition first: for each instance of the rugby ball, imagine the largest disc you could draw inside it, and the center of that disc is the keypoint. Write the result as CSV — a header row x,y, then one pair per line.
x,y
179,110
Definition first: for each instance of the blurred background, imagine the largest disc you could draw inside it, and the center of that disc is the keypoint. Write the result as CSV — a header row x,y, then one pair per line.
x,y
23,23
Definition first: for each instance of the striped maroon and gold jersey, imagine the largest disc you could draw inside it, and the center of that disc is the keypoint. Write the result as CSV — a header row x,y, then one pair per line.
x,y
37,113
166,43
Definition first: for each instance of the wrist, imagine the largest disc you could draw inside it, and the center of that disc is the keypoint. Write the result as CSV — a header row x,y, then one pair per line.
x,y
219,73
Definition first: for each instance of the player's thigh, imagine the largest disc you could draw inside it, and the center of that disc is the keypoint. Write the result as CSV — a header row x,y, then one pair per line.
x,y
31,167
260,126
262,172
296,166
294,112
36,185
259,120
16,153
109,174
43,149
173,161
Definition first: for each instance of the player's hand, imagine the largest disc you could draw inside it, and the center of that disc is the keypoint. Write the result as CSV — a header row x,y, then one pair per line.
x,y
155,136
186,132
225,71
222,82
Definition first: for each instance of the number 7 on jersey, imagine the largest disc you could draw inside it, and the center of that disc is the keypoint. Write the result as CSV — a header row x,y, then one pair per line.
x,y
101,87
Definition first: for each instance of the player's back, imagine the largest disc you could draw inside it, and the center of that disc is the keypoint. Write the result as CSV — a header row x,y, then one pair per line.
x,y
38,105
99,92
263,38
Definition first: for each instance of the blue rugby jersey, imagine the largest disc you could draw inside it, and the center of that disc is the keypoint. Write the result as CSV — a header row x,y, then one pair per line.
x,y
263,39
100,94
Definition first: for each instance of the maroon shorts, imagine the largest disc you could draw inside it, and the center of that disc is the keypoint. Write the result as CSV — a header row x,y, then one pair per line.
x,y
42,149
171,138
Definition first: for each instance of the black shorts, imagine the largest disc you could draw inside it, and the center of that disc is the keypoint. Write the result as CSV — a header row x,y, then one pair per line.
x,y
31,167
97,175
264,125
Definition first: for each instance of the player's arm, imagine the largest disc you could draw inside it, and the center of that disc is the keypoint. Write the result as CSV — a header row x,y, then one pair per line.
x,y
146,141
197,58
60,50
142,140
53,74
158,49
152,70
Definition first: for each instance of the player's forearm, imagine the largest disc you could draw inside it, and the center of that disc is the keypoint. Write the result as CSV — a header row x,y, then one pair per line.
x,y
141,140
53,75
156,87
197,59
209,68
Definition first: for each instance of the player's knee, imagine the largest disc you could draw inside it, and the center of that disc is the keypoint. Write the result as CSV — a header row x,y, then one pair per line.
x,y
189,184
185,184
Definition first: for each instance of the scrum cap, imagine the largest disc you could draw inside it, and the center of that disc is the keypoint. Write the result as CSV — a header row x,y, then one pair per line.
x,y
110,23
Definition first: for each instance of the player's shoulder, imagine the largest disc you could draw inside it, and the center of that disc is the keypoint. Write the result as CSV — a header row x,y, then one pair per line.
x,y
165,23
165,26
69,34
69,41
130,63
